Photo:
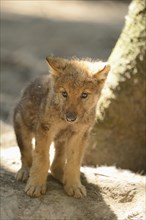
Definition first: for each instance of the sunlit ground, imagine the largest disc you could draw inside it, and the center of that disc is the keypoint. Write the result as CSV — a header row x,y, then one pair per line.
x,y
10,158
95,11
10,161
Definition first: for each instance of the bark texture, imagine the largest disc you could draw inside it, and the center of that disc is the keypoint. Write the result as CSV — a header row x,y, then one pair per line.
x,y
119,135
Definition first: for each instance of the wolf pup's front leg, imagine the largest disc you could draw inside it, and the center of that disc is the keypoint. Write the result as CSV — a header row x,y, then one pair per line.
x,y
36,184
75,151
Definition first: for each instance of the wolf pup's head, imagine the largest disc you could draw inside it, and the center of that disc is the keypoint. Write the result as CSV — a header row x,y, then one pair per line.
x,y
77,85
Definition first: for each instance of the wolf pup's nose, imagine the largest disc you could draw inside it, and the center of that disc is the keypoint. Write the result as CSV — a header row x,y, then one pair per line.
x,y
70,116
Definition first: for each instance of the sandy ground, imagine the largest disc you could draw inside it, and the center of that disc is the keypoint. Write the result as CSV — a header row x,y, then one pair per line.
x,y
31,30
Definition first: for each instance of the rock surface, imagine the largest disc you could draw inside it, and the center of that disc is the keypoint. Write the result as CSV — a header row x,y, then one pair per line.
x,y
112,194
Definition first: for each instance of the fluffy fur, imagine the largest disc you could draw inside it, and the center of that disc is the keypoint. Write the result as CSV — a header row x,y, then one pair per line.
x,y
58,107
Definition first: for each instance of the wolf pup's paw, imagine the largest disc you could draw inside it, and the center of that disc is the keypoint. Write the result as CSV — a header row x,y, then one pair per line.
x,y
34,189
77,191
22,175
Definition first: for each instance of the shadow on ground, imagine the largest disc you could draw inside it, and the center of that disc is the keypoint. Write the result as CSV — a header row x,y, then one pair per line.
x,y
54,205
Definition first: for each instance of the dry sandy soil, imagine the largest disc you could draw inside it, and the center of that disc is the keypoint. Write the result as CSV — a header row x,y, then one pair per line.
x,y
29,32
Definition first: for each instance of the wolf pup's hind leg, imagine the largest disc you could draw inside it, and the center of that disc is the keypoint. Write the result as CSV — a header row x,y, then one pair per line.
x,y
24,140
57,167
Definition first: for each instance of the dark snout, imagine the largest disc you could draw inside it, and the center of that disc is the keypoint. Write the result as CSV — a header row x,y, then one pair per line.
x,y
71,116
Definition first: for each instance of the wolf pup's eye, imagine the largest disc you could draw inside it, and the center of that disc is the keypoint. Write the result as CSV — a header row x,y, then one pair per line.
x,y
84,95
64,94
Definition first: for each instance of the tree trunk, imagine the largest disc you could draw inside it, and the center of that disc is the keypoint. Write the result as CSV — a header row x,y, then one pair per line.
x,y
118,137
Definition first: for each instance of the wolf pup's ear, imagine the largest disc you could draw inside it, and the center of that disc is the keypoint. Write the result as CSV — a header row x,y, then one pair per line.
x,y
57,65
102,71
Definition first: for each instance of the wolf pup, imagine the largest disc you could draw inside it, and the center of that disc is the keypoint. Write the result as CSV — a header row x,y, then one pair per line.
x,y
59,107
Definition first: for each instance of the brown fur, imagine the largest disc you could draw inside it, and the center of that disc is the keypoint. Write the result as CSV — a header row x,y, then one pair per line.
x,y
59,107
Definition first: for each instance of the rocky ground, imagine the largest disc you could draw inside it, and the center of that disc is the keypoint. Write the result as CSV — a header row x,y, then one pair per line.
x,y
112,194
64,28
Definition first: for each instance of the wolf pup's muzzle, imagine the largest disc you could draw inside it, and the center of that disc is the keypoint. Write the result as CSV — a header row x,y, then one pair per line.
x,y
71,116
